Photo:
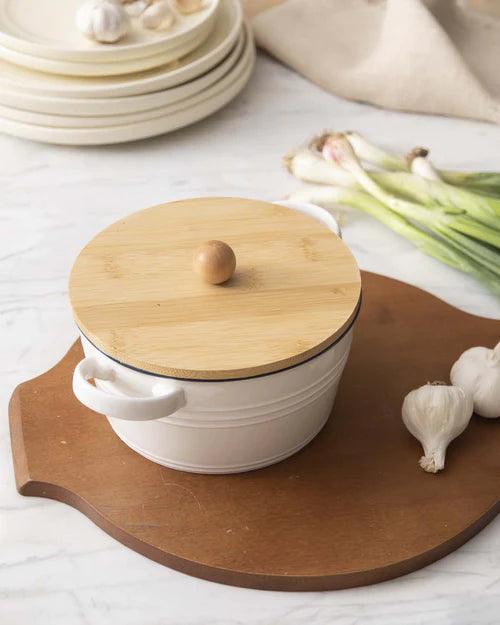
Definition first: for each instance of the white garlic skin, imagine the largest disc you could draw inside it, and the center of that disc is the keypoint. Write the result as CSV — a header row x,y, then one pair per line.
x,y
189,6
137,7
436,414
477,371
105,21
158,15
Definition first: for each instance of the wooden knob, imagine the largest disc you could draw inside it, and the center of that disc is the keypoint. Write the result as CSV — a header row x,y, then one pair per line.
x,y
214,261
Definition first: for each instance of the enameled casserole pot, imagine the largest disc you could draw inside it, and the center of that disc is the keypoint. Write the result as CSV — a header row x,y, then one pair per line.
x,y
215,378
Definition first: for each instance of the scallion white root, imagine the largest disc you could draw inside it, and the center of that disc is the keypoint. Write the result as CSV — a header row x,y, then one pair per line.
x,y
309,166
420,165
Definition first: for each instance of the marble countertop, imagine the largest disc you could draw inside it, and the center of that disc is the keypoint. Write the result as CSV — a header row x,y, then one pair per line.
x,y
56,567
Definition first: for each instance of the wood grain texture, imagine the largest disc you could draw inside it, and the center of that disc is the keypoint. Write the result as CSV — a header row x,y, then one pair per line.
x,y
136,296
352,508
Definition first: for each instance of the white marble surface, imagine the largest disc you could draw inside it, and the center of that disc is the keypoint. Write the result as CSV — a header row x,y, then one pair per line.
x,y
56,568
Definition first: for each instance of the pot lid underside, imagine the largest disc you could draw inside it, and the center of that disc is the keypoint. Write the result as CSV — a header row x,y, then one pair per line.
x,y
135,295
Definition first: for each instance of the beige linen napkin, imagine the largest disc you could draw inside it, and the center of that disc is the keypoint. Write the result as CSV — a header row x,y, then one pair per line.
x,y
433,56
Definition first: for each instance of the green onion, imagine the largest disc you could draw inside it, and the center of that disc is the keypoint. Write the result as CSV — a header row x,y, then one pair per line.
x,y
420,165
483,182
440,194
331,197
308,165
374,155
452,224
337,150
487,182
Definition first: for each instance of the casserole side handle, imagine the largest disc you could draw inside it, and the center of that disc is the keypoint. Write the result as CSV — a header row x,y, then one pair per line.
x,y
166,397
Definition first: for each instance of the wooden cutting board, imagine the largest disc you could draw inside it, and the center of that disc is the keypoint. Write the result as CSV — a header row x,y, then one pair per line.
x,y
352,508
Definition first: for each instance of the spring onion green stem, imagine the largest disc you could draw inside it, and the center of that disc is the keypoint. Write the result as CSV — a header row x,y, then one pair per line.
x,y
480,182
487,182
370,153
331,197
433,193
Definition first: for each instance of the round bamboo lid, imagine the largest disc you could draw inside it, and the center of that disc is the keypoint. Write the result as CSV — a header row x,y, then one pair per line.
x,y
142,289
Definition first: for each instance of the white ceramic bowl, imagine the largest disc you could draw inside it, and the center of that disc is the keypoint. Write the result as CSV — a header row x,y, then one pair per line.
x,y
225,426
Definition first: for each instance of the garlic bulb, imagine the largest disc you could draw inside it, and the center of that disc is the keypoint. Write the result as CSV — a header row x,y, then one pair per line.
x,y
436,414
477,371
105,21
189,6
158,15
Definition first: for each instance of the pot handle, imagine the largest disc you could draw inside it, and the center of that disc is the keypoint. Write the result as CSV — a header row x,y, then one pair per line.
x,y
166,397
313,210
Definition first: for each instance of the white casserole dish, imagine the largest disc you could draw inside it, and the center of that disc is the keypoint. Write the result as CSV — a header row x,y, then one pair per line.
x,y
218,426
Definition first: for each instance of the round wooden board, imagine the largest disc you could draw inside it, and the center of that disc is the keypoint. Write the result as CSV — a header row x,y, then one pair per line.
x,y
137,298
352,508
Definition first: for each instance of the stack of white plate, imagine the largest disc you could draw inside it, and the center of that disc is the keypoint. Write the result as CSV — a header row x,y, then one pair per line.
x,y
58,87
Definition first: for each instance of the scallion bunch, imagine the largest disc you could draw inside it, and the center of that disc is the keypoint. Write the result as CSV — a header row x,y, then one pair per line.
x,y
452,216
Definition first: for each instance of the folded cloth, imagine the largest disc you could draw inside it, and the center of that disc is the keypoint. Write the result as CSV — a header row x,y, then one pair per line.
x,y
431,56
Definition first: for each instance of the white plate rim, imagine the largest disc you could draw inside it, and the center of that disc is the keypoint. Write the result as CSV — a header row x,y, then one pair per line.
x,y
108,121
105,53
131,132
112,68
100,107
138,86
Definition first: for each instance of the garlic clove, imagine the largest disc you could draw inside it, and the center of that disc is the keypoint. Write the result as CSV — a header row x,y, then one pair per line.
x,y
158,16
477,371
436,414
105,21
189,6
136,8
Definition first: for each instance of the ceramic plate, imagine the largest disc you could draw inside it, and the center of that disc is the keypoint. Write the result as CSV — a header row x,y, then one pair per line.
x,y
106,121
220,41
111,68
46,28
131,132
118,106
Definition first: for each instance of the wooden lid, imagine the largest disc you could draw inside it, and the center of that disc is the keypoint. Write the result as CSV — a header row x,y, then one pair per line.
x,y
136,296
